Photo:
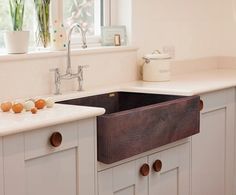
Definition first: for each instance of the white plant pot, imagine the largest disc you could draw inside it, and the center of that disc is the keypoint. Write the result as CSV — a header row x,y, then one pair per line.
x,y
16,42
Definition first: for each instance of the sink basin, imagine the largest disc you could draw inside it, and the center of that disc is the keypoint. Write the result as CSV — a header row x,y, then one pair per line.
x,y
138,122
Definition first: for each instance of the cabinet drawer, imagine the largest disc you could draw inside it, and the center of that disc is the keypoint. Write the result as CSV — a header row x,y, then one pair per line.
x,y
38,142
218,99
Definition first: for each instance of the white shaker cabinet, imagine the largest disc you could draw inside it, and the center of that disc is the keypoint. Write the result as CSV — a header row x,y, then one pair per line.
x,y
37,163
1,168
124,179
173,178
213,148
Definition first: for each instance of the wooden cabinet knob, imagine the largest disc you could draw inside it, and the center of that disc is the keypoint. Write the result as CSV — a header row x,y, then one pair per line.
x,y
144,170
56,139
201,105
157,165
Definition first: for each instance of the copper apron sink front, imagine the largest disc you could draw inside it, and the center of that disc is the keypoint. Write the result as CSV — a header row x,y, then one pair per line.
x,y
136,122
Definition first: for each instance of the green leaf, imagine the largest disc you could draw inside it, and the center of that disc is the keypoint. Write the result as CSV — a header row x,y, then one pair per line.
x,y
17,13
42,8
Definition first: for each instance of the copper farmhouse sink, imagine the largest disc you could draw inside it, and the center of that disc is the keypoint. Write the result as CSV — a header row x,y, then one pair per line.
x,y
138,122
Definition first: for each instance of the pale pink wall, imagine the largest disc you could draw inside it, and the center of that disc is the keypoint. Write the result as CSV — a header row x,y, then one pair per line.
x,y
193,27
228,30
29,78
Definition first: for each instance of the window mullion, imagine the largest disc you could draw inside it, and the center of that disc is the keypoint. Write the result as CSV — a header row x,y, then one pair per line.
x,y
106,12
97,17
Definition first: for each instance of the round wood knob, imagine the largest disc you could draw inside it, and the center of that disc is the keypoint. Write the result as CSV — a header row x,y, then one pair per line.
x,y
56,139
201,105
157,165
144,170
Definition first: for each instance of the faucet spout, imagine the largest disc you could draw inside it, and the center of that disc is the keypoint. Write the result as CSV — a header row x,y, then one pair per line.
x,y
84,45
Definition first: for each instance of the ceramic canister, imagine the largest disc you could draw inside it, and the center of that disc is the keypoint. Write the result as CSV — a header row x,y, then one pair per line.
x,y
58,36
156,67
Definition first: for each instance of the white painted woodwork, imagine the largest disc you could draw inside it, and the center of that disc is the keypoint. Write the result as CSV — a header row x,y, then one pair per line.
x,y
52,174
213,148
33,167
52,170
87,157
1,168
37,141
174,177
14,164
124,179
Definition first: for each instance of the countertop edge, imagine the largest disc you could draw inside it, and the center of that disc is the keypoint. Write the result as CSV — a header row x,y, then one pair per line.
x,y
11,131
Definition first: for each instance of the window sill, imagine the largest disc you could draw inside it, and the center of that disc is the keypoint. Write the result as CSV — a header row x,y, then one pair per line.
x,y
52,54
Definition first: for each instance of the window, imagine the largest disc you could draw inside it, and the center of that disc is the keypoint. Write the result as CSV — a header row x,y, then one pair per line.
x,y
89,13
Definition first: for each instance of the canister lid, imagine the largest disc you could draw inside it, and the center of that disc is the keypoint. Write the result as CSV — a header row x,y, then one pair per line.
x,y
157,56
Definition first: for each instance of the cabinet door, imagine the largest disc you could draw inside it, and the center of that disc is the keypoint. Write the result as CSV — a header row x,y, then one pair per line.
x,y
213,147
52,174
173,178
1,168
34,167
124,179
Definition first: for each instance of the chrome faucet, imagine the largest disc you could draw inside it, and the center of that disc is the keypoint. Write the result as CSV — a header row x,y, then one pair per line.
x,y
84,45
69,75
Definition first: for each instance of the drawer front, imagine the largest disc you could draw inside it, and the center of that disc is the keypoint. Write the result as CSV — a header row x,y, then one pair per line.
x,y
217,99
38,142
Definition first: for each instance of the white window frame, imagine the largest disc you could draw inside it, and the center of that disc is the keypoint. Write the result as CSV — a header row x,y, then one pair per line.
x,y
57,13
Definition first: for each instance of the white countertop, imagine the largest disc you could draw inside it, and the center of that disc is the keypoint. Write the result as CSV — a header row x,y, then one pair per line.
x,y
187,84
11,123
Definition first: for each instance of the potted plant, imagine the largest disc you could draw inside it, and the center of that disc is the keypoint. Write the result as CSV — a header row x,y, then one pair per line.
x,y
17,41
43,10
